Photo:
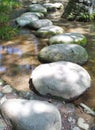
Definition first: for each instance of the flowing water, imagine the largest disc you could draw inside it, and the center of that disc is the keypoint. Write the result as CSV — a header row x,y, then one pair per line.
x,y
18,57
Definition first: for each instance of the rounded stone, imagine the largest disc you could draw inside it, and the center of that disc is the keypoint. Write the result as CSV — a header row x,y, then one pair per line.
x,y
82,124
63,52
76,38
7,89
40,23
26,19
49,31
2,82
61,79
38,14
52,6
23,114
55,10
37,8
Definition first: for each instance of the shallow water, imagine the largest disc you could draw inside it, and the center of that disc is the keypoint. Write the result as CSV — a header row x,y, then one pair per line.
x,y
18,57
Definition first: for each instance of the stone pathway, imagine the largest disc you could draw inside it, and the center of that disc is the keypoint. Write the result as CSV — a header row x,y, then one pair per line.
x,y
73,117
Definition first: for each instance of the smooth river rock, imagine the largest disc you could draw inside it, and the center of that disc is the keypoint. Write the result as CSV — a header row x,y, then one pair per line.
x,y
76,38
63,52
61,79
26,19
37,8
49,31
54,10
38,14
40,23
23,114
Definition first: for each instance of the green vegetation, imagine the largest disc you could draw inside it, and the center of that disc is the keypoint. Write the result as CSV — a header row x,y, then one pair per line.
x,y
6,30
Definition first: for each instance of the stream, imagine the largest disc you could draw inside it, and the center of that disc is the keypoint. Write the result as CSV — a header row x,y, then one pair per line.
x,y
18,57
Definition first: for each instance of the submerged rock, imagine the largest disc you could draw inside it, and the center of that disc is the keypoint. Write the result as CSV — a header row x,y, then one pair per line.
x,y
63,52
23,114
76,38
49,31
61,79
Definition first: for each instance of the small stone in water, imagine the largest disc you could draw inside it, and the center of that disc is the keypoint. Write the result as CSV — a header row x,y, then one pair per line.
x,y
76,128
82,124
7,89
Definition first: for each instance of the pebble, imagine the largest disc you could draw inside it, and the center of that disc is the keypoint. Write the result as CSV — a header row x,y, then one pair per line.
x,y
7,89
82,124
2,82
76,128
71,120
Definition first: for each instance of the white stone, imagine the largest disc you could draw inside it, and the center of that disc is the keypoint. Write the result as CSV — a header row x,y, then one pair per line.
x,y
7,89
40,23
76,128
82,124
49,31
24,20
69,38
55,10
61,79
23,114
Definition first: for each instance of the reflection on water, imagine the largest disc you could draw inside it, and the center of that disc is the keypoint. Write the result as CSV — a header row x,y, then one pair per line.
x,y
10,50
2,68
18,58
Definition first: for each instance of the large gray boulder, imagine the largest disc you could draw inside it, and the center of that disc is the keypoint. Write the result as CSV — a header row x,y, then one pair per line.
x,y
76,38
26,19
23,114
37,8
61,79
40,23
63,52
49,31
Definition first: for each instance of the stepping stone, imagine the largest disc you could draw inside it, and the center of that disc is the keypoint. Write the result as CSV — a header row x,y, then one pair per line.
x,y
76,38
62,80
63,52
49,31
40,23
53,6
23,114
37,8
25,19
38,14
55,10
